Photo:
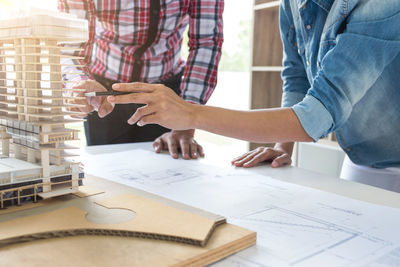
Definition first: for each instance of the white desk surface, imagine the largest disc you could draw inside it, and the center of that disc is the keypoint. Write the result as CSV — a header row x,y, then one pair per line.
x,y
295,225
288,174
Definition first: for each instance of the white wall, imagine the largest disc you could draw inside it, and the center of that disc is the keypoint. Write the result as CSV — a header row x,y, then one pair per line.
x,y
325,159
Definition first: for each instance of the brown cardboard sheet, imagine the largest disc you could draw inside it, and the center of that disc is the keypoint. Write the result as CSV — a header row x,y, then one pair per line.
x,y
87,191
153,220
123,226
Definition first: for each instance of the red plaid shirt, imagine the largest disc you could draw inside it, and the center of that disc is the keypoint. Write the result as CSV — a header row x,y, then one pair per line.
x,y
117,28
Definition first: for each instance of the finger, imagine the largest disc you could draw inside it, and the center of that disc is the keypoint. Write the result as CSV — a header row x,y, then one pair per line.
x,y
185,148
149,119
266,154
158,145
241,157
95,101
249,156
134,87
78,116
200,150
77,88
105,108
71,109
76,112
86,109
78,100
139,114
193,150
137,98
282,160
164,139
173,148
238,161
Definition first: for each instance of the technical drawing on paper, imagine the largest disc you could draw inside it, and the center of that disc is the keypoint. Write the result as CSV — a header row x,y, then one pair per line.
x,y
295,225
160,177
301,240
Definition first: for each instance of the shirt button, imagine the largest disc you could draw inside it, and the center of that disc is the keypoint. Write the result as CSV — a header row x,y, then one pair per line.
x,y
348,149
308,27
155,11
308,63
319,64
298,51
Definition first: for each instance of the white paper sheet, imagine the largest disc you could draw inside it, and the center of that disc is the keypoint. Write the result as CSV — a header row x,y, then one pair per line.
x,y
295,225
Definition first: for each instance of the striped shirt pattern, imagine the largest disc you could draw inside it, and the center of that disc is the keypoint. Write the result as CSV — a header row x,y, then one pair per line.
x,y
117,28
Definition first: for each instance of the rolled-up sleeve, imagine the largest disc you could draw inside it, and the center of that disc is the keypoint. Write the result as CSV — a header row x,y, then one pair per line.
x,y
205,44
314,117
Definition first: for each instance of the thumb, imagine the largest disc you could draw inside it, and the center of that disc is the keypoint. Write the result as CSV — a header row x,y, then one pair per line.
x,y
282,160
105,108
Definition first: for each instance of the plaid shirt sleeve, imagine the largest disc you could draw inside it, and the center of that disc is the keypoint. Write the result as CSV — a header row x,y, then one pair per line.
x,y
83,9
205,43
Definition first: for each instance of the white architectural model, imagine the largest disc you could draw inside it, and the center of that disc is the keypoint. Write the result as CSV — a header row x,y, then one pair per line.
x,y
34,108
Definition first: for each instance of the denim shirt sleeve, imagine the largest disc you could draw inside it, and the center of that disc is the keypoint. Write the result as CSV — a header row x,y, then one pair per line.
x,y
295,82
362,52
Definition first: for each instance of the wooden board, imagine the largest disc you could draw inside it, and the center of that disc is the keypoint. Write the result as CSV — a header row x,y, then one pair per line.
x,y
118,250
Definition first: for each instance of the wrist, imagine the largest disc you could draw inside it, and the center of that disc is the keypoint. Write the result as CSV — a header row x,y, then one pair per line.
x,y
285,147
195,118
188,132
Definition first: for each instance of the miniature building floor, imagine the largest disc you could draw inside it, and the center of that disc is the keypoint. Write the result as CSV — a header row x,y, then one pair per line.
x,y
146,230
14,171
11,165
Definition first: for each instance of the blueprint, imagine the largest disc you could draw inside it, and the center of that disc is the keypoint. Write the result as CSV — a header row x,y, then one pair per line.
x,y
295,225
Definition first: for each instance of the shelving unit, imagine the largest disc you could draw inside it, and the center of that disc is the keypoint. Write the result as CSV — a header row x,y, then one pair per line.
x,y
266,66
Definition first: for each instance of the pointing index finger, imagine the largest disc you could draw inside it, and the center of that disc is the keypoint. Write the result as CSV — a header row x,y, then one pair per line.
x,y
134,87
138,98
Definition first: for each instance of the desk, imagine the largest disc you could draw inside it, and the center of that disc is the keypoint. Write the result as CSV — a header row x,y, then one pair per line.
x,y
287,174
339,224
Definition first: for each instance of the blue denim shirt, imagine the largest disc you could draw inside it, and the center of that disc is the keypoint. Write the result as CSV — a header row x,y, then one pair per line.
x,y
341,72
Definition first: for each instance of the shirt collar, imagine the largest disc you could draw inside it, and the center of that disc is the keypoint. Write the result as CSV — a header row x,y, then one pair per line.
x,y
325,4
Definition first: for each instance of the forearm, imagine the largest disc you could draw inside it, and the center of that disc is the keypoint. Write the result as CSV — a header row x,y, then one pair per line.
x,y
259,126
164,107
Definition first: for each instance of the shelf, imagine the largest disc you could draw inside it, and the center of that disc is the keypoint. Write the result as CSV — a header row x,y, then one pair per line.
x,y
267,44
266,65
266,90
267,5
267,68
